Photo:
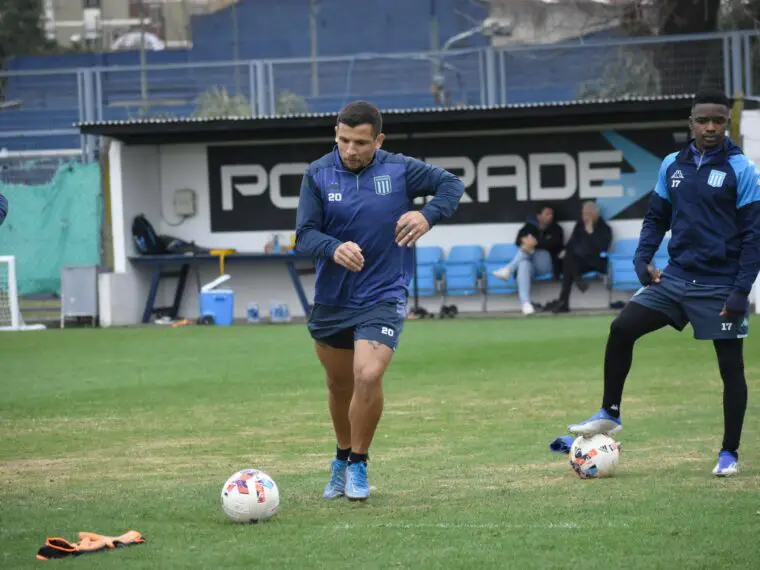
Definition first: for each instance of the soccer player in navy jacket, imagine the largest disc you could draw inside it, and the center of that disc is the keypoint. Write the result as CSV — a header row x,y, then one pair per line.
x,y
355,216
708,195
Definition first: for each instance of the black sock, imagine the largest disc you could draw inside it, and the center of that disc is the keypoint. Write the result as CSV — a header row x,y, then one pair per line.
x,y
342,454
631,324
731,364
358,457
617,364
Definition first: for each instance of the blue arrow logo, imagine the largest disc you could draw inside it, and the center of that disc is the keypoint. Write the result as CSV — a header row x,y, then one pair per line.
x,y
635,184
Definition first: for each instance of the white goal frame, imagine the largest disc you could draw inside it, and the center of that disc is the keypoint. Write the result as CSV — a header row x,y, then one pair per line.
x,y
17,322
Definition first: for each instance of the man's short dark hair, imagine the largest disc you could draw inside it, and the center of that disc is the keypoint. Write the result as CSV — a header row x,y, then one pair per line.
x,y
711,97
362,113
541,206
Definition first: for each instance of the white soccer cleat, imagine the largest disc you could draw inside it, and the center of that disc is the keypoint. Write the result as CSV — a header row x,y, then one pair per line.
x,y
528,309
600,422
727,465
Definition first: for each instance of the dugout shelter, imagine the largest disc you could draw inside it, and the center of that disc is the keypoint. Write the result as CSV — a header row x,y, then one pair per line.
x,y
233,184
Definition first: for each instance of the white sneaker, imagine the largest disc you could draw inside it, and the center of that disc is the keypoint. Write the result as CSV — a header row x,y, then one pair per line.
x,y
503,273
528,309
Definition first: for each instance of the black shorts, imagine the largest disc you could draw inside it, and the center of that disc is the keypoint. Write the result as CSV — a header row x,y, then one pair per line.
x,y
340,327
686,302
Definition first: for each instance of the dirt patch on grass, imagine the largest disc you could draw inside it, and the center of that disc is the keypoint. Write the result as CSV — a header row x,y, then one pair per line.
x,y
13,427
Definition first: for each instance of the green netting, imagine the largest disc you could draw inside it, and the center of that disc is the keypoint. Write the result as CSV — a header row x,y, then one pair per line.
x,y
51,225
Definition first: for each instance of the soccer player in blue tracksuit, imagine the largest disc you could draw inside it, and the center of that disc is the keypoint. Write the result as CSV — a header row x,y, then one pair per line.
x,y
355,216
3,209
708,195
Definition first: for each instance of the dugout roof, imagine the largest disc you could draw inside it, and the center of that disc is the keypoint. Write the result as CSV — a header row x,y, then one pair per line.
x,y
626,110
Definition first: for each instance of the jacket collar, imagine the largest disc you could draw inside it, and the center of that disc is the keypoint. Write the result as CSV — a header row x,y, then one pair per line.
x,y
690,153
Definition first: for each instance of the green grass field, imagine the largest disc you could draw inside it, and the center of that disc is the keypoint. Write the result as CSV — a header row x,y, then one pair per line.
x,y
111,430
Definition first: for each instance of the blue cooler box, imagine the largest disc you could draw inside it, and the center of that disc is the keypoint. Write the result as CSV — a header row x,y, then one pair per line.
x,y
219,304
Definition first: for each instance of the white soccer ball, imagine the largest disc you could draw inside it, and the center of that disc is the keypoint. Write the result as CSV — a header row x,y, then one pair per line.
x,y
595,456
250,496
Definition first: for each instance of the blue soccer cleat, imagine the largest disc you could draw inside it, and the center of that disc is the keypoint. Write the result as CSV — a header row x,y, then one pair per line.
x,y
357,486
728,464
600,422
337,485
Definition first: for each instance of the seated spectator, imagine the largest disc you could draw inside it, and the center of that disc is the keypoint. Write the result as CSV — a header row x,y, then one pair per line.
x,y
540,241
586,250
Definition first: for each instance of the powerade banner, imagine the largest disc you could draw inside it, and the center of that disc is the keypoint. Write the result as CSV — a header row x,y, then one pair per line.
x,y
256,187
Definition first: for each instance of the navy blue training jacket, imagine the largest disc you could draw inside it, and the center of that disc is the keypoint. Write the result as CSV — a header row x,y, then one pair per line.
x,y
711,203
337,205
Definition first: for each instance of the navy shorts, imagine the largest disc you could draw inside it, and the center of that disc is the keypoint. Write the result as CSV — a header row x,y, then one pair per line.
x,y
686,302
339,327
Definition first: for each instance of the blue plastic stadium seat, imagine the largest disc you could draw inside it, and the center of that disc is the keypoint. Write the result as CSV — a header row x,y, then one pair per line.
x,y
427,281
429,270
622,276
462,279
429,255
465,254
502,253
623,248
462,268
498,256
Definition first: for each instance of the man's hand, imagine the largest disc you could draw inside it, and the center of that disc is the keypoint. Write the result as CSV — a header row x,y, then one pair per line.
x,y
349,255
736,305
411,227
528,244
646,273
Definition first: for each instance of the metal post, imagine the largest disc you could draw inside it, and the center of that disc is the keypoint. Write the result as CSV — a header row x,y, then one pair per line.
x,y
747,64
482,73
99,95
88,85
143,71
313,11
435,42
272,98
503,76
252,87
80,93
736,63
235,46
726,66
260,89
491,75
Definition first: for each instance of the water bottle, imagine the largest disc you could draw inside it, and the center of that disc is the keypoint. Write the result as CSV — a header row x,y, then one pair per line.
x,y
278,312
276,244
253,313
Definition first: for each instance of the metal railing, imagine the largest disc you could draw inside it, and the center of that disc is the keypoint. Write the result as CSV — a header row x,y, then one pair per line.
x,y
42,106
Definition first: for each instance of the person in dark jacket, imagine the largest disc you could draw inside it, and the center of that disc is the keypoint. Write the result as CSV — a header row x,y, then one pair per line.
x,y
540,241
586,250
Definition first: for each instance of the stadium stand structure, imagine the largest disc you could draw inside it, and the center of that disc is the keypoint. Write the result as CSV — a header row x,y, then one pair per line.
x,y
51,98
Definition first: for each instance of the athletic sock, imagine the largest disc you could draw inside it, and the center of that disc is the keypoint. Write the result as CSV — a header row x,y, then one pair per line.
x,y
342,454
358,457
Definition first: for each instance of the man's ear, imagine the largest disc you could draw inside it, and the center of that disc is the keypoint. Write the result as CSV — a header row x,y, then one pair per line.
x,y
379,140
